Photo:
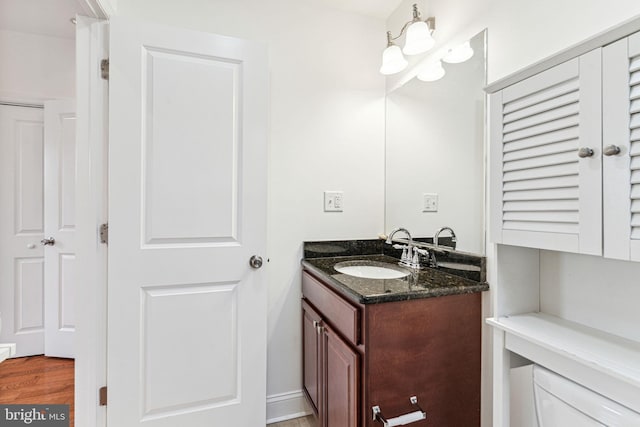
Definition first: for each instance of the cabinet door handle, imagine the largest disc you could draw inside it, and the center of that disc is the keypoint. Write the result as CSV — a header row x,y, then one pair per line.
x,y
318,326
611,150
585,152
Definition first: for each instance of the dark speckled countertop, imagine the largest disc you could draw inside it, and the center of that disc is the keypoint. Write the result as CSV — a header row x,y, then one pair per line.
x,y
426,283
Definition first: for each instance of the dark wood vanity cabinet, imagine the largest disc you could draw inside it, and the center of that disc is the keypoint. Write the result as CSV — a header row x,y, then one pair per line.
x,y
357,356
331,372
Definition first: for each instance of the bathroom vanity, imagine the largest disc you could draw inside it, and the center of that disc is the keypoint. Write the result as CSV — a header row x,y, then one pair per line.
x,y
376,343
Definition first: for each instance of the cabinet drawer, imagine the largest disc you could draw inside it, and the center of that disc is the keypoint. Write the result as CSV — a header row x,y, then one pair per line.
x,y
344,317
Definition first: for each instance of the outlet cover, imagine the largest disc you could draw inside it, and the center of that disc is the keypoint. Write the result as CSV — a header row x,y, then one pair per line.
x,y
429,202
333,201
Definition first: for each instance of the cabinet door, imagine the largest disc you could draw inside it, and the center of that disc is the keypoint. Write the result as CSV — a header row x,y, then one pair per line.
x,y
342,375
311,360
543,195
621,128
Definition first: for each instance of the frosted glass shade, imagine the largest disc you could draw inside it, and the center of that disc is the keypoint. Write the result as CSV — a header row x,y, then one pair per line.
x,y
431,73
459,54
418,39
392,61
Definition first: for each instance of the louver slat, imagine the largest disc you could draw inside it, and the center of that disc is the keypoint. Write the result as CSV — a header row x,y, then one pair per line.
x,y
540,162
540,183
567,99
542,96
570,110
543,206
634,149
560,123
542,172
535,162
543,139
560,147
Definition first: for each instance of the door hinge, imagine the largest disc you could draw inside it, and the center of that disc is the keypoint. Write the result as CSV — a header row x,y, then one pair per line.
x,y
104,69
103,396
104,233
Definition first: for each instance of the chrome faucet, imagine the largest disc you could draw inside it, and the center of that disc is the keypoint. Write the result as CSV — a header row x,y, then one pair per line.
x,y
437,236
393,233
410,254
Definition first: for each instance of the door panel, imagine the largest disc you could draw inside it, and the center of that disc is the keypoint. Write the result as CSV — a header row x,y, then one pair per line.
x,y
341,383
21,229
311,355
59,223
187,208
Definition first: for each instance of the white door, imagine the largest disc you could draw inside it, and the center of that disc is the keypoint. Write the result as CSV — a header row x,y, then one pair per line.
x,y
187,210
21,229
59,226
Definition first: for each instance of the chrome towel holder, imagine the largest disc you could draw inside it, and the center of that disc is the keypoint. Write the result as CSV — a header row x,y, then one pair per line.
x,y
401,419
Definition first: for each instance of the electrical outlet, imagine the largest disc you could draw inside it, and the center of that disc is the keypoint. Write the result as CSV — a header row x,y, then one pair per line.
x,y
333,201
429,202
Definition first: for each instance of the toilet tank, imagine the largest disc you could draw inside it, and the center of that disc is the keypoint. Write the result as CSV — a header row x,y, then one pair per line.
x,y
561,402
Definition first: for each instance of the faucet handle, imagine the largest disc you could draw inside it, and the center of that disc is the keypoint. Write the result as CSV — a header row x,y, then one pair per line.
x,y
399,246
421,251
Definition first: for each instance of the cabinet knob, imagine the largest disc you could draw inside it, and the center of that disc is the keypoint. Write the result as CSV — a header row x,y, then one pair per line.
x,y
584,152
611,150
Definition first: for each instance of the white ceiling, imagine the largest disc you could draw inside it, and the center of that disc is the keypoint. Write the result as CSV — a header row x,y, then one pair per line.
x,y
376,8
51,17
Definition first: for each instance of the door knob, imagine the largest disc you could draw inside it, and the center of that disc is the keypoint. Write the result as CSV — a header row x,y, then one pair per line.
x,y
48,242
255,261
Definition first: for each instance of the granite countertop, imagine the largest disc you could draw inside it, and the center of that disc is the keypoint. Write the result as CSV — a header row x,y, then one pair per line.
x,y
426,283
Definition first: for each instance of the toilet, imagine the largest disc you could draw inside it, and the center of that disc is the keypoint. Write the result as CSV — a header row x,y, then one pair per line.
x,y
561,402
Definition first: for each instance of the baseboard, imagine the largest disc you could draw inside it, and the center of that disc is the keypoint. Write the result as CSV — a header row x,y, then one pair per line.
x,y
286,406
6,351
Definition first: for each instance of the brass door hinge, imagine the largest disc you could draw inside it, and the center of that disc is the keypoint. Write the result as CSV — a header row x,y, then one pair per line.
x,y
104,233
103,396
104,69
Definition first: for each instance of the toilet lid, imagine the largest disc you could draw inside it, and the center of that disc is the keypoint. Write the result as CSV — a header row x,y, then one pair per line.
x,y
557,396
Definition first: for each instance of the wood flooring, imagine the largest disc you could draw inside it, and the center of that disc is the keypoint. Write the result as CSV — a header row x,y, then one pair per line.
x,y
48,380
37,380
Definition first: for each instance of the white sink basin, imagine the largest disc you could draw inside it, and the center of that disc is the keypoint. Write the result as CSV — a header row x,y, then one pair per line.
x,y
371,270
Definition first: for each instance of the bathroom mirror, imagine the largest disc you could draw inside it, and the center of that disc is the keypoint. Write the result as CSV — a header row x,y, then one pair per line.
x,y
435,135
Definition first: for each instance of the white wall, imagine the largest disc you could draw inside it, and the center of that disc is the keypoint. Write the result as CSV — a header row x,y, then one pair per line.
x,y
326,133
597,292
35,67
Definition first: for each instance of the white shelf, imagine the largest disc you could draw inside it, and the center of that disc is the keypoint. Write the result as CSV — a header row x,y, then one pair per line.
x,y
601,361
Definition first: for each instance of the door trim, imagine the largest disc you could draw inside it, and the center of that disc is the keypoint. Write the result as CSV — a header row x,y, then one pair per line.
x,y
91,187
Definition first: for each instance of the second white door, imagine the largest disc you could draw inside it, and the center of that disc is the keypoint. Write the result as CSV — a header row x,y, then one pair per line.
x,y
59,227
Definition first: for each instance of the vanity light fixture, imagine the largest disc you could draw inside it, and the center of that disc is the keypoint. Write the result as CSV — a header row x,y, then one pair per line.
x,y
418,40
431,72
459,54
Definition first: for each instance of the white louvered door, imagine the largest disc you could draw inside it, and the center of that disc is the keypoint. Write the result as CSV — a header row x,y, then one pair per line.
x,y
621,128
543,194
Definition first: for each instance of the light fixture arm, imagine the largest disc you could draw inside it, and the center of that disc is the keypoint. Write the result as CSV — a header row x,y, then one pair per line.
x,y
431,22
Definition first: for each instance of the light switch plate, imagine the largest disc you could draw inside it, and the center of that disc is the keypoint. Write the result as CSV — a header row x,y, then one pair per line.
x,y
429,202
333,201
